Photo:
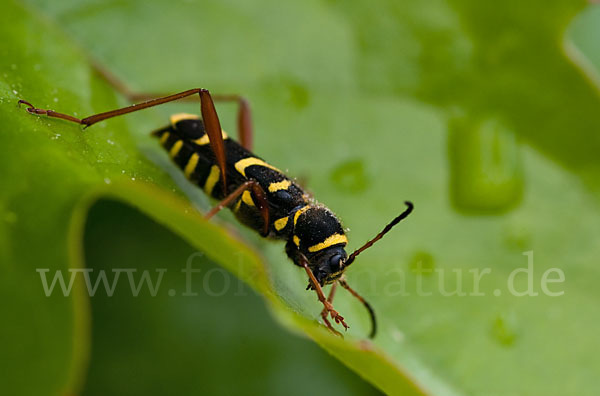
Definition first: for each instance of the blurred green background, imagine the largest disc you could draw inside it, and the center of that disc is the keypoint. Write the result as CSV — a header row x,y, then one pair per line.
x,y
484,114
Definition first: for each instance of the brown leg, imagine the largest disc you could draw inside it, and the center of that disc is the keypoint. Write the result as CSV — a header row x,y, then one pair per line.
x,y
258,192
50,113
324,312
345,285
339,319
207,108
244,117
213,130
91,120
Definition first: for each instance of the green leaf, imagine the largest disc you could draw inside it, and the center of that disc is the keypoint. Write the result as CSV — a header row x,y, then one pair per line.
x,y
178,342
52,174
477,112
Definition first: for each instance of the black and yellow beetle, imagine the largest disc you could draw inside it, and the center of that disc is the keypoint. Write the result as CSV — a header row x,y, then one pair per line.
x,y
260,195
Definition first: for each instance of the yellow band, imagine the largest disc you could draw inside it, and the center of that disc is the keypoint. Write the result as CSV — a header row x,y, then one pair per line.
x,y
175,118
175,149
247,198
190,167
332,240
277,186
242,164
164,137
212,179
204,139
298,213
281,223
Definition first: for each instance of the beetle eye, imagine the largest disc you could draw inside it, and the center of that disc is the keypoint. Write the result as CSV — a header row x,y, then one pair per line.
x,y
335,262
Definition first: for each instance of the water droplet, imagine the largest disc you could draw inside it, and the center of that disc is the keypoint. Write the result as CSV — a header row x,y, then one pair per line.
x,y
110,142
299,95
107,180
518,237
350,176
397,335
504,329
133,178
422,263
15,92
486,175
55,100
289,90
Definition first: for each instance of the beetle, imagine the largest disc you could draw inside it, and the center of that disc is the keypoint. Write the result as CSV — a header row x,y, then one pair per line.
x,y
261,196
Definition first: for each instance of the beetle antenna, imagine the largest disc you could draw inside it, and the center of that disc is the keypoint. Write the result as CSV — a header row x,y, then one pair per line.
x,y
346,286
386,229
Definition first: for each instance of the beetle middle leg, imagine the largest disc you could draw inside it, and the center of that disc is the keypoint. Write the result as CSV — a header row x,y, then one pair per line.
x,y
259,194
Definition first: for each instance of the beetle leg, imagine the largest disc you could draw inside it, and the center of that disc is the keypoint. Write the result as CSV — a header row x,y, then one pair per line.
x,y
244,115
259,194
339,319
324,312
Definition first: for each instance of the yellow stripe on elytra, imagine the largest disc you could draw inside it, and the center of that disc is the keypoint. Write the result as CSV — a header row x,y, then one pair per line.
x,y
164,137
212,179
242,164
298,213
281,223
190,167
277,186
247,198
332,240
175,118
204,139
175,149
296,240
237,205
